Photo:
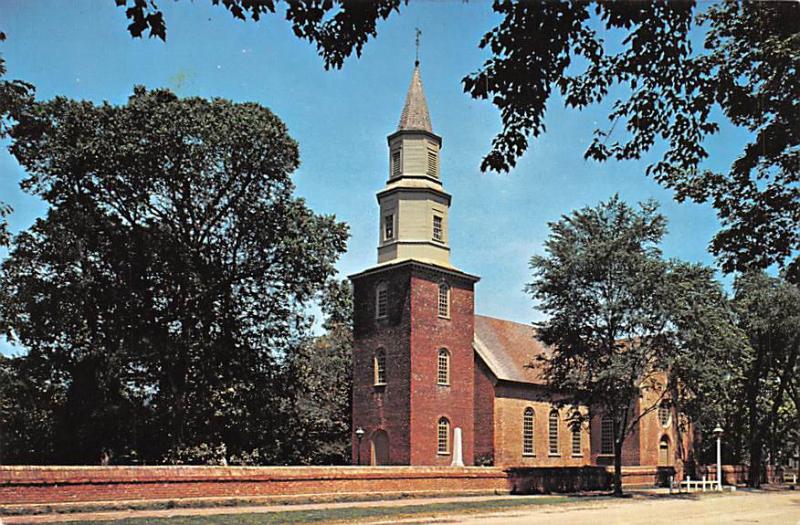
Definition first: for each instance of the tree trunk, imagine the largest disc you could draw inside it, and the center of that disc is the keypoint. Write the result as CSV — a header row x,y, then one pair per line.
x,y
617,468
754,472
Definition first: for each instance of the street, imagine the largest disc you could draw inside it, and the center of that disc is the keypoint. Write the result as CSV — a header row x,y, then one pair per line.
x,y
764,508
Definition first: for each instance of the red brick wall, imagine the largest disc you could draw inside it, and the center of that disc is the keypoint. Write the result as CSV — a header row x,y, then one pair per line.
x,y
410,405
48,485
484,411
510,404
429,333
382,407
75,484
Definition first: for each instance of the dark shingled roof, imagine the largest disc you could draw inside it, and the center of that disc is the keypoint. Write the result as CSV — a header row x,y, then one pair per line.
x,y
415,112
508,348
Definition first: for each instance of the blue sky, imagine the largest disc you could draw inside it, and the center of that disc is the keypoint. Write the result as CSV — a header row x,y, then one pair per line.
x,y
81,49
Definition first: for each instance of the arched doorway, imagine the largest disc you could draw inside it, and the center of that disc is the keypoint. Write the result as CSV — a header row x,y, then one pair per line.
x,y
664,459
379,450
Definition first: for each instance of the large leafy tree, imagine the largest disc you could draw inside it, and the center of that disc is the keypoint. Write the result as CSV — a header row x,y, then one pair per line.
x,y
628,330
768,309
319,381
171,272
666,92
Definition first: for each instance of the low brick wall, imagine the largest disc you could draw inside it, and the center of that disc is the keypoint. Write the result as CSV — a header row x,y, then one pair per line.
x,y
739,474
646,476
544,480
74,484
52,484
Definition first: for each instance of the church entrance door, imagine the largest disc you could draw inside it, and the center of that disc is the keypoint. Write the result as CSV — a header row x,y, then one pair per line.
x,y
663,452
380,448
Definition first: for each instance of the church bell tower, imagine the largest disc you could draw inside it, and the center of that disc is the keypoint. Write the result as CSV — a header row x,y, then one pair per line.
x,y
413,362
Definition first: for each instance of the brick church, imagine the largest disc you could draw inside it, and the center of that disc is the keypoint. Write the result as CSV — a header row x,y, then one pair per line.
x,y
427,369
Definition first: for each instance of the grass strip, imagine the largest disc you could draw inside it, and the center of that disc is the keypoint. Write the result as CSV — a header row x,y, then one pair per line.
x,y
201,503
342,514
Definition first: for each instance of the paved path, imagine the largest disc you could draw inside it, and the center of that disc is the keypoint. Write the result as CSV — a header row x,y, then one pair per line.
x,y
741,508
765,508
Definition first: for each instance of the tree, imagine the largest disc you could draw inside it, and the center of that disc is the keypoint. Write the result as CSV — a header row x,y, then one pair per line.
x,y
171,272
319,379
769,312
749,70
625,327
337,27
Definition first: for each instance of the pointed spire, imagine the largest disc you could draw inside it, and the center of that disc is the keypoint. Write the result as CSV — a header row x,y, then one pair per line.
x,y
415,114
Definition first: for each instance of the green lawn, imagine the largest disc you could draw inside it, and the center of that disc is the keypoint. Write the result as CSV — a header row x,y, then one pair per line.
x,y
344,514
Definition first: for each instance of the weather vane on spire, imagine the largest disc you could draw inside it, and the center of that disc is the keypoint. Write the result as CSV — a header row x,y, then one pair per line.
x,y
418,33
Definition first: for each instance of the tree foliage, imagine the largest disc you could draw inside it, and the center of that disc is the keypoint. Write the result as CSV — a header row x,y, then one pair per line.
x,y
319,380
170,274
666,92
768,310
337,27
627,329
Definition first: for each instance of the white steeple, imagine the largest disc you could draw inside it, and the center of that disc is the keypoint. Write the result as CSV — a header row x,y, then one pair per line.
x,y
414,206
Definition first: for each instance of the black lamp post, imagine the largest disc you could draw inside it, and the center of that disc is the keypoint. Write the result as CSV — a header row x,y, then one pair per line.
x,y
359,434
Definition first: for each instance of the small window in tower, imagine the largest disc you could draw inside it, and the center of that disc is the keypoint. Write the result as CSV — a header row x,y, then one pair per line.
x,y
443,375
527,432
388,227
607,435
437,228
431,163
553,432
381,300
664,416
380,368
396,163
444,300
443,437
576,441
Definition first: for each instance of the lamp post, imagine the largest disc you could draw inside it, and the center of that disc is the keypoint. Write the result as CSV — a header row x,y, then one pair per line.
x,y
718,433
359,434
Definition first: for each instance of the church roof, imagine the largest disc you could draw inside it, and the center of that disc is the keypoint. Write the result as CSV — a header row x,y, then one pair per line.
x,y
415,114
509,349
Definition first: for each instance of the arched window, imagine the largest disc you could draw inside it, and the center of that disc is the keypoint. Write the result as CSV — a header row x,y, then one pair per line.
x,y
444,367
664,414
444,300
577,450
552,433
527,432
443,436
607,435
380,367
381,300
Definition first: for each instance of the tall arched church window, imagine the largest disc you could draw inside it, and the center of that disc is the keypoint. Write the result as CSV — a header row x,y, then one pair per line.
x,y
606,435
443,372
443,436
381,300
576,441
444,300
379,365
664,414
552,433
527,432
